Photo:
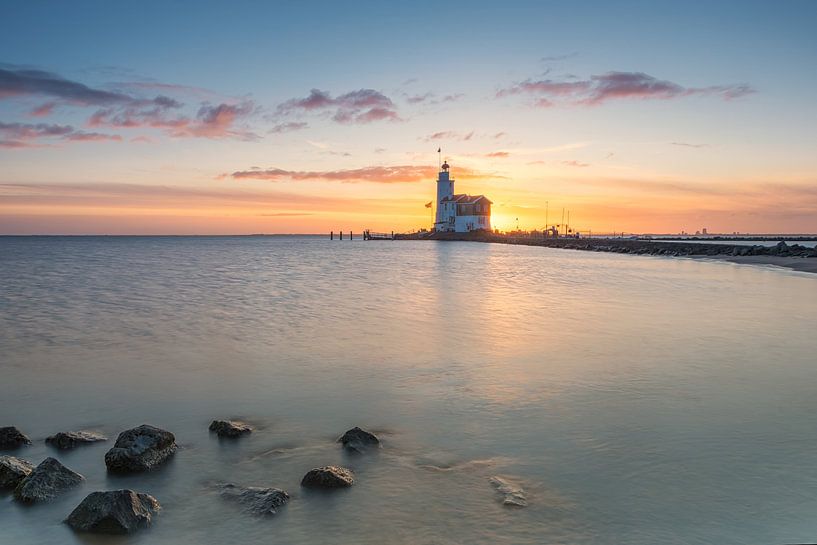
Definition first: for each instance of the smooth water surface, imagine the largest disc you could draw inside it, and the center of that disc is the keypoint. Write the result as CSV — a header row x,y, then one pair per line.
x,y
636,400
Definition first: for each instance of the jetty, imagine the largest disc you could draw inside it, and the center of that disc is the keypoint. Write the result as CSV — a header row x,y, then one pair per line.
x,y
369,235
623,245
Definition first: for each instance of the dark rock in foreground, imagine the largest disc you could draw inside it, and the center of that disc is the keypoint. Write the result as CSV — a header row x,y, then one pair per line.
x,y
140,449
48,479
229,428
358,440
258,501
328,477
113,512
71,439
13,470
11,438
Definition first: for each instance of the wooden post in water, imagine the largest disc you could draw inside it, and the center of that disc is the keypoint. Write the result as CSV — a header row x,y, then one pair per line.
x,y
341,235
350,235
331,235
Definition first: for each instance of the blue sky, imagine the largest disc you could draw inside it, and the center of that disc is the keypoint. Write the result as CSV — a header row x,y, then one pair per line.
x,y
441,66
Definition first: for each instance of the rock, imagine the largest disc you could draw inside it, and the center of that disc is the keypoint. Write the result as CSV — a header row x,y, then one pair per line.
x,y
71,439
13,470
328,477
358,440
230,428
258,501
114,512
511,494
11,438
46,481
140,449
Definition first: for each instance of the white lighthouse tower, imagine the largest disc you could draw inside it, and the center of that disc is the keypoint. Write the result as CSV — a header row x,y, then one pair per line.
x,y
445,190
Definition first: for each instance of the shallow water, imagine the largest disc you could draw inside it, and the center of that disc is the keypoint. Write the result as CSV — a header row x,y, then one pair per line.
x,y
634,399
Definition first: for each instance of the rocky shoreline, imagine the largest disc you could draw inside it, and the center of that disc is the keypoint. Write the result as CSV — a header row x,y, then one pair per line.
x,y
781,254
146,448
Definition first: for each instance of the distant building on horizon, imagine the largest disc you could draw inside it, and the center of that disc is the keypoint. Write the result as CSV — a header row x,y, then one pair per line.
x,y
459,213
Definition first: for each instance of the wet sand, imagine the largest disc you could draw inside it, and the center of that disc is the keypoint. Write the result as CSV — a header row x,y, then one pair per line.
x,y
801,264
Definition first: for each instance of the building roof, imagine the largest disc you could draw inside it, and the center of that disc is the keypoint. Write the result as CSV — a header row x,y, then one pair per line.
x,y
462,198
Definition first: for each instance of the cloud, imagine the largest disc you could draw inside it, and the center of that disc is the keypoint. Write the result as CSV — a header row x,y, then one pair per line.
x,y
153,197
44,110
417,99
450,135
498,154
80,136
288,127
376,174
287,214
554,58
26,135
615,86
574,163
123,109
211,121
688,145
23,82
431,98
355,107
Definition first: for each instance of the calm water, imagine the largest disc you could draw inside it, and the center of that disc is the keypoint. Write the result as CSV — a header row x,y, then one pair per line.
x,y
637,400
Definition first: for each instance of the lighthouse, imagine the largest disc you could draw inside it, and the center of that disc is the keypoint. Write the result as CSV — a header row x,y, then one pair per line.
x,y
445,188
459,213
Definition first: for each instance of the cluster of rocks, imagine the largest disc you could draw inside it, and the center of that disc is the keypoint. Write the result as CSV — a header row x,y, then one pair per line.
x,y
638,247
114,511
144,448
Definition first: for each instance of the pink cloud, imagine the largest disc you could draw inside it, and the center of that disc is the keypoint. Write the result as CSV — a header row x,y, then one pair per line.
x,y
127,108
377,174
574,163
79,136
25,135
616,86
43,111
210,121
361,106
288,127
450,135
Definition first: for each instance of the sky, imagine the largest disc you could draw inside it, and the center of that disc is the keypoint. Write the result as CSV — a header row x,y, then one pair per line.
x,y
305,117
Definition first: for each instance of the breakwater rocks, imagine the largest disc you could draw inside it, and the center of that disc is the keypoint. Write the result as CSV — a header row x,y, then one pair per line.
x,y
631,246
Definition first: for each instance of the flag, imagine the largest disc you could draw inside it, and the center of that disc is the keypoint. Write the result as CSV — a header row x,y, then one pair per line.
x,y
428,204
439,150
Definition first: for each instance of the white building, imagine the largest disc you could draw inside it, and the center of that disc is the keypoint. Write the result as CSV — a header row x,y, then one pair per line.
x,y
460,213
